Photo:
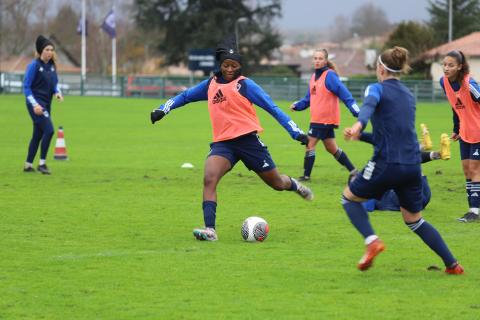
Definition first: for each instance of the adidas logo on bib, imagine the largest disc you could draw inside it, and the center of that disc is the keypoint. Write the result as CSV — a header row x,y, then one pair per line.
x,y
219,97
476,152
459,104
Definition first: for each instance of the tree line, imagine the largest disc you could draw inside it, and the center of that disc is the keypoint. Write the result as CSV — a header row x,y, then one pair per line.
x,y
169,28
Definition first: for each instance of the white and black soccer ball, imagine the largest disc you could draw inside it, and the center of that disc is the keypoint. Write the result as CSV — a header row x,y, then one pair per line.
x,y
255,229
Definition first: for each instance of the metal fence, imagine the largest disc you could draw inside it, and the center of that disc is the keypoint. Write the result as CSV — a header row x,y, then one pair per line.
x,y
279,88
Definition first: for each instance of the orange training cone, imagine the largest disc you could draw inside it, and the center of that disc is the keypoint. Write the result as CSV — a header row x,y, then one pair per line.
x,y
60,147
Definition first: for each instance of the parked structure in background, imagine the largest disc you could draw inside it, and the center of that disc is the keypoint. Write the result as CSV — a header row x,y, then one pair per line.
x,y
469,45
353,57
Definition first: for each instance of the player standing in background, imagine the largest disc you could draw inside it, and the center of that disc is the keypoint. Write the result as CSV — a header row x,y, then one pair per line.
x,y
324,91
395,163
235,126
39,86
463,93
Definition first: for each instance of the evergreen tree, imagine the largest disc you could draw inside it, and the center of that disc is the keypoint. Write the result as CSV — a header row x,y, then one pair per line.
x,y
183,25
416,38
466,18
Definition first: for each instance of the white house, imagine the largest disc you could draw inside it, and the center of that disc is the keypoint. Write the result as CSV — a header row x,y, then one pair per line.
x,y
469,45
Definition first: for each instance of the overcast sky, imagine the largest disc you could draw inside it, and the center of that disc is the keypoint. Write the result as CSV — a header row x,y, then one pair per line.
x,y
310,14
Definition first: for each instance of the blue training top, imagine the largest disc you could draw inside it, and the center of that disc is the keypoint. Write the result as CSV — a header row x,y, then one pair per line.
x,y
391,108
334,85
249,89
40,83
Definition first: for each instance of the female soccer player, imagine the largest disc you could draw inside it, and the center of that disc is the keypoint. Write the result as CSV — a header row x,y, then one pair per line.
x,y
395,163
235,126
322,97
39,86
463,93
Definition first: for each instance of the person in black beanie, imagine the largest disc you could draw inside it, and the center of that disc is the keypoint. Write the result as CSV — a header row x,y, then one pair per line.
x,y
236,127
39,86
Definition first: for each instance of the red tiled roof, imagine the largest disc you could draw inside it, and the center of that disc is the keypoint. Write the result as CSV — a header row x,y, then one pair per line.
x,y
469,45
349,62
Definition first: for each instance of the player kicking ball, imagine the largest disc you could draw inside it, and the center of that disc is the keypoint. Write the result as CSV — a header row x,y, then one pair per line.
x,y
235,126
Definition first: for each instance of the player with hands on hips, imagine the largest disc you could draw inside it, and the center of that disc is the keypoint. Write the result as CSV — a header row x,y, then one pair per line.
x,y
390,106
323,95
235,127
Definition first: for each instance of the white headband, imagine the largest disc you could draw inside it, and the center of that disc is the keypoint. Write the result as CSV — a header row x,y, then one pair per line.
x,y
387,68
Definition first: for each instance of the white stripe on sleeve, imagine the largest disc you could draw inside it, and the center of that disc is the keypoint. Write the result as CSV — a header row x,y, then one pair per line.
x,y
294,126
32,100
474,91
355,107
168,104
367,91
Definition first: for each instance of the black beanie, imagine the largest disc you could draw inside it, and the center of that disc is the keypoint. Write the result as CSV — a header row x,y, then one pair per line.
x,y
227,49
41,43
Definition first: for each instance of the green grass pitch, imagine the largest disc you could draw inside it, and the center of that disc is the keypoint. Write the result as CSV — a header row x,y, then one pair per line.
x,y
108,234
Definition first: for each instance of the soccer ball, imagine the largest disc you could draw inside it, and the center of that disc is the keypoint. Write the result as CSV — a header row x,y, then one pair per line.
x,y
255,229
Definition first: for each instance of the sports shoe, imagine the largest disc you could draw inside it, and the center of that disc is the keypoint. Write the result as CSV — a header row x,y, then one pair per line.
x,y
445,147
206,234
303,191
435,155
373,250
469,217
426,139
456,269
304,178
43,169
28,169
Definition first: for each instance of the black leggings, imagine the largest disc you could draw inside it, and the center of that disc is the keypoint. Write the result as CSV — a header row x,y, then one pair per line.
x,y
42,131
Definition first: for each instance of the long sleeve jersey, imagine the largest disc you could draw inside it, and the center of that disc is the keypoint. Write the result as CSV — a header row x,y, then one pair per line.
x,y
40,83
334,85
248,88
391,108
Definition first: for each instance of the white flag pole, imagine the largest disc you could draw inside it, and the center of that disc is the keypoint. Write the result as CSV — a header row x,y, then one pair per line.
x,y
114,60
84,43
450,21
114,56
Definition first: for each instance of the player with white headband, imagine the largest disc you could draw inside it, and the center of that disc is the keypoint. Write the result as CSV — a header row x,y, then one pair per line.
x,y
390,106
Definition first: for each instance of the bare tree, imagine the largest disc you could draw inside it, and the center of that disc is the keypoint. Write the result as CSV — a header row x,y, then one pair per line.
x,y
370,20
98,43
21,21
341,29
15,31
65,35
